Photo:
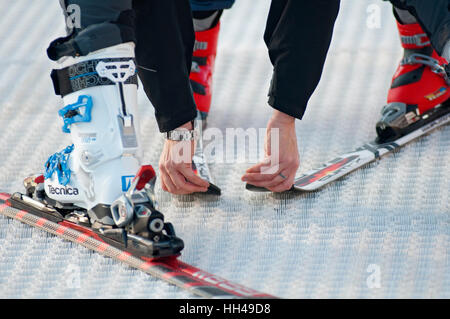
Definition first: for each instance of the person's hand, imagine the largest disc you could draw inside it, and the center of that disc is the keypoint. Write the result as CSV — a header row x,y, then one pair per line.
x,y
175,166
277,171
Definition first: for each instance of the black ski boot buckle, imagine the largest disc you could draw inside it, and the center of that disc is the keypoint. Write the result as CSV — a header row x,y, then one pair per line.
x,y
136,212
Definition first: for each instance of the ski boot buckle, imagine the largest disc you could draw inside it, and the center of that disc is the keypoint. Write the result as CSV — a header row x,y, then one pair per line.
x,y
77,112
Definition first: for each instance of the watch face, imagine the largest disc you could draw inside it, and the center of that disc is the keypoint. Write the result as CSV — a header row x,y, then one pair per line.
x,y
178,135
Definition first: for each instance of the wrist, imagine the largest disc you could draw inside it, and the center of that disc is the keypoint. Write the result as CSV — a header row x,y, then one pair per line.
x,y
185,132
187,126
282,118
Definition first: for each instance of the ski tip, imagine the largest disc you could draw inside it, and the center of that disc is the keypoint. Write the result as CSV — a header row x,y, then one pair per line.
x,y
254,188
213,190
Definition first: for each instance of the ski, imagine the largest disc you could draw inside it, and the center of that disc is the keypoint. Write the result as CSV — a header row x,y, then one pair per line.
x,y
169,269
199,161
342,165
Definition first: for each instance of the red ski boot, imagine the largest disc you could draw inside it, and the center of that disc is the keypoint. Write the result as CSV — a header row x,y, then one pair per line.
x,y
419,88
203,60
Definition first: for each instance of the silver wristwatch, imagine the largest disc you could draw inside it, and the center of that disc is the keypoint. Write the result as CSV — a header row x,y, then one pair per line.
x,y
183,134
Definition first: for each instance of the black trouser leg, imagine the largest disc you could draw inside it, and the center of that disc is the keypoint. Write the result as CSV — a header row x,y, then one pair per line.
x,y
165,41
298,35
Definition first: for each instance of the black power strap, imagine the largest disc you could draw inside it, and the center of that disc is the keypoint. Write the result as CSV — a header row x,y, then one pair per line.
x,y
83,75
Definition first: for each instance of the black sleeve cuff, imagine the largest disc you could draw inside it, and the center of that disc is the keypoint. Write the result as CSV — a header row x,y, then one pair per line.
x,y
168,123
291,108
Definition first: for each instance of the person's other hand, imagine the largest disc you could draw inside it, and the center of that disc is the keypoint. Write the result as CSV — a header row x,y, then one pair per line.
x,y
279,167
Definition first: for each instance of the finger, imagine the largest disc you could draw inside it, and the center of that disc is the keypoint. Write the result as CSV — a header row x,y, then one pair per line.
x,y
167,183
279,179
285,185
172,188
183,185
171,175
190,175
263,177
257,167
258,177
163,186
263,180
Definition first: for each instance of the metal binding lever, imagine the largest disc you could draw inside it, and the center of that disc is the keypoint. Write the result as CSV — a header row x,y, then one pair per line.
x,y
141,225
122,209
145,175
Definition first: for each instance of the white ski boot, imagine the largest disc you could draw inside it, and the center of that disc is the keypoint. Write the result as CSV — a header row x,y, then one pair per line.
x,y
98,180
102,122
